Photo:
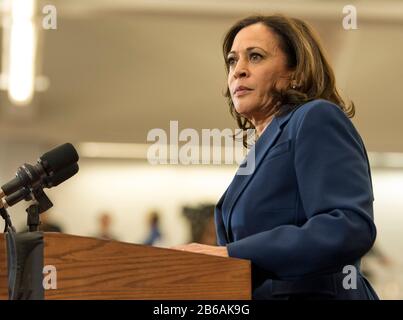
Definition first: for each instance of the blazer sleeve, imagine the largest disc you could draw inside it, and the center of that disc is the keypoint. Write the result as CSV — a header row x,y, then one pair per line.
x,y
335,188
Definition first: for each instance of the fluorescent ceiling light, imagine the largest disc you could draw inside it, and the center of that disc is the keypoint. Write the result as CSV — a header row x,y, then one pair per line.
x,y
22,52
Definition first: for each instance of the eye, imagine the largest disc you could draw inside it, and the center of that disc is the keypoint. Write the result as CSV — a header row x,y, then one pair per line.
x,y
255,57
230,61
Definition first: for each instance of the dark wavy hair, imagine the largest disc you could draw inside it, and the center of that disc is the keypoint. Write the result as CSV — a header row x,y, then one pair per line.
x,y
313,75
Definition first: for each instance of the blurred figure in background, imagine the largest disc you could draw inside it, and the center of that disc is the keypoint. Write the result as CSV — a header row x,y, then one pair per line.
x,y
154,233
202,226
47,225
105,222
375,258
208,236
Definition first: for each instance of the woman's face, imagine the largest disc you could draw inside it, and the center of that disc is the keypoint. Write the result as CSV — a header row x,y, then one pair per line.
x,y
256,63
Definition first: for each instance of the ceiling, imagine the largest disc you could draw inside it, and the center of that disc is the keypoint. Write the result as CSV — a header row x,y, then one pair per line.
x,y
120,68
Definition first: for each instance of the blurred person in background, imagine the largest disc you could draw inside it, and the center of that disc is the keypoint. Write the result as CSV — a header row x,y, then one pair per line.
x,y
208,236
47,225
105,223
375,258
154,233
201,220
306,210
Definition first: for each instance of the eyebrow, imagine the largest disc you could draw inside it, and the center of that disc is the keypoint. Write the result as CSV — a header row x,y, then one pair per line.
x,y
248,49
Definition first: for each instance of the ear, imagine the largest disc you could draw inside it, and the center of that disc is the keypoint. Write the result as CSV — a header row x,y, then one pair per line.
x,y
294,84
288,75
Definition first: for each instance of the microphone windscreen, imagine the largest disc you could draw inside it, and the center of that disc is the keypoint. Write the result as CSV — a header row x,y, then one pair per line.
x,y
61,176
59,158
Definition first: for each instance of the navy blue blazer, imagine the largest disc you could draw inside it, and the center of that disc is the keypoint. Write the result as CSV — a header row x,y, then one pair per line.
x,y
306,210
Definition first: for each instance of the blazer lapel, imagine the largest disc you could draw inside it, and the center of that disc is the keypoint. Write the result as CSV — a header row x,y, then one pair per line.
x,y
239,183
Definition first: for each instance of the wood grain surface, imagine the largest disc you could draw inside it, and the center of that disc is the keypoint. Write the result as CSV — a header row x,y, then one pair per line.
x,y
89,268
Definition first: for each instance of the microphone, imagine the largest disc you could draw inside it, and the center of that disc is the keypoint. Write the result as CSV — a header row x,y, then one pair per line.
x,y
52,168
49,182
60,176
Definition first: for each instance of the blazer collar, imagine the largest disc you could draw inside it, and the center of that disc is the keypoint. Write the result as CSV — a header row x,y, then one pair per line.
x,y
255,155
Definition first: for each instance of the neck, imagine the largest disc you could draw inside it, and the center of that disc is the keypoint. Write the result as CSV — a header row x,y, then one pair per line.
x,y
260,125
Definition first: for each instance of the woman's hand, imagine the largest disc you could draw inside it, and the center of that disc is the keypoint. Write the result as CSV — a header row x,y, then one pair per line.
x,y
203,248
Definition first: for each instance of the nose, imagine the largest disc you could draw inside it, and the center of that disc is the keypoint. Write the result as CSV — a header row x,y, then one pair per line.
x,y
241,69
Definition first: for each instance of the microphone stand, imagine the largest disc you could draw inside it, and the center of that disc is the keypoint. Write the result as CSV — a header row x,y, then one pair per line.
x,y
42,204
33,220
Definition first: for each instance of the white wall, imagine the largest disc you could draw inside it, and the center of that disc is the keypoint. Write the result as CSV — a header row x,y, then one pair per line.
x,y
388,210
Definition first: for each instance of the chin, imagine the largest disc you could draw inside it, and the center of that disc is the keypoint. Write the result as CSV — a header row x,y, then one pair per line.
x,y
244,110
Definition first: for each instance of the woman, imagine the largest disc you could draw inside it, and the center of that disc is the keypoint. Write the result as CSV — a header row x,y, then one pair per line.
x,y
305,213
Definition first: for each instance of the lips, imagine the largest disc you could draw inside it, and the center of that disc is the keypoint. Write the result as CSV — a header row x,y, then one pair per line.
x,y
241,90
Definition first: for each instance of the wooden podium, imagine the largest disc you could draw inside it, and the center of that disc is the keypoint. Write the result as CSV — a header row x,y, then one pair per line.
x,y
89,268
